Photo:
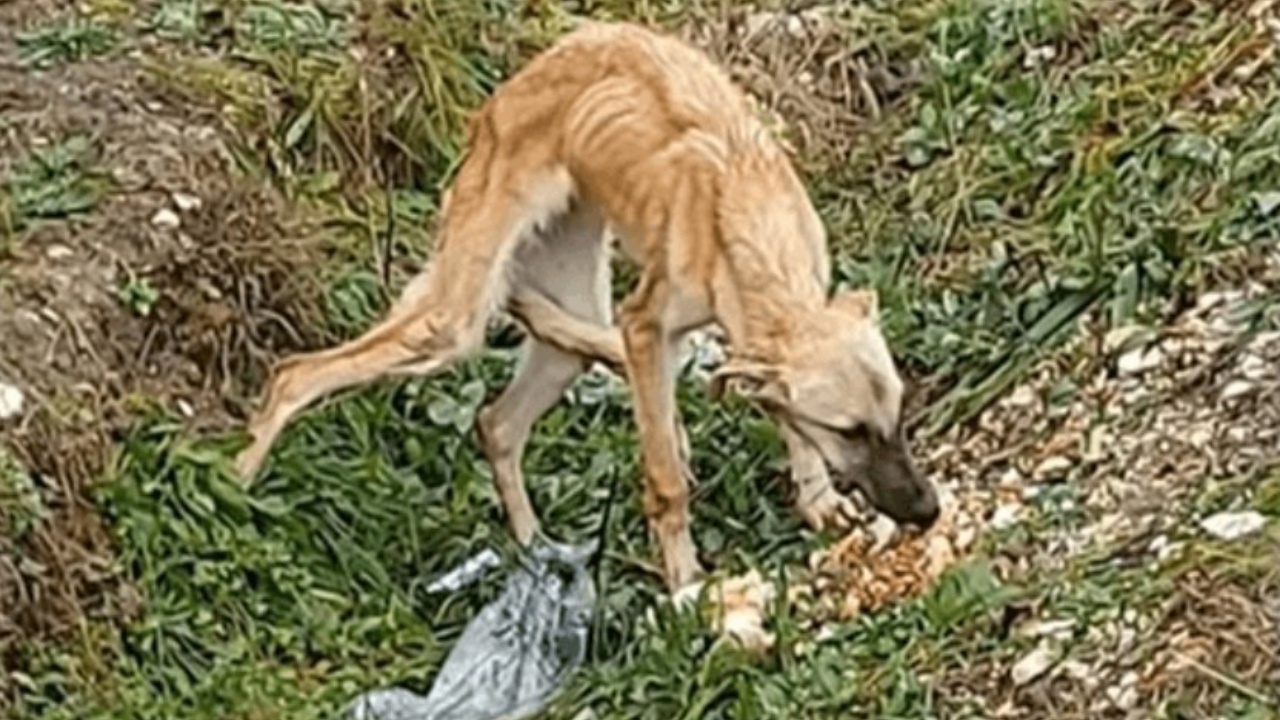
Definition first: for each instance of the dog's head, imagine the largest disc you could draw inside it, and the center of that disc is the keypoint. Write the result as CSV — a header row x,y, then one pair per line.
x,y
836,386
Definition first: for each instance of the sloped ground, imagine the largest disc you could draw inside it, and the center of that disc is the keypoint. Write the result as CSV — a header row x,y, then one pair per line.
x,y
1070,211
137,268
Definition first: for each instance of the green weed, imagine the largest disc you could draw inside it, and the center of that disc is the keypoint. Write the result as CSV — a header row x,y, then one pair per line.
x,y
22,505
290,27
180,20
68,41
55,182
139,295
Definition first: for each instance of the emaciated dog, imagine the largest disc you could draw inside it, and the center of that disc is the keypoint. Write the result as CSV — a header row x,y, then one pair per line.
x,y
619,128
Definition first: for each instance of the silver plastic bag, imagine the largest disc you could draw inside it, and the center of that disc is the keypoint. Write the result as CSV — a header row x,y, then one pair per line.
x,y
514,654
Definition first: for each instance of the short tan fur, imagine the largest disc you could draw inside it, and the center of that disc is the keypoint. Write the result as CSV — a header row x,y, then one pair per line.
x,y
622,128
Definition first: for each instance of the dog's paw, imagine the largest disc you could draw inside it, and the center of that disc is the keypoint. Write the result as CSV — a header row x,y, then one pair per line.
x,y
247,463
687,596
828,510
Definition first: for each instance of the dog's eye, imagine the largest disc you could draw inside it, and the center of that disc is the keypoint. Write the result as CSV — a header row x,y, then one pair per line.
x,y
857,432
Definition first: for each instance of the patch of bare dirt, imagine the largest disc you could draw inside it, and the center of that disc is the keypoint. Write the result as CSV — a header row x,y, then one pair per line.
x,y
233,276
1221,636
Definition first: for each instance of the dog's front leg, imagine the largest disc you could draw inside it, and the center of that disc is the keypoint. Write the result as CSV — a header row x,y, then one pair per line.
x,y
651,366
817,501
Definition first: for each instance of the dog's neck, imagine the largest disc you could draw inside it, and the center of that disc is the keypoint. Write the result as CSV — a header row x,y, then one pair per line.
x,y
773,246
769,296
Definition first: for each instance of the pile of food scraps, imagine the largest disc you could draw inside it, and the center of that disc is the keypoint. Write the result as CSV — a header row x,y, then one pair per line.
x,y
881,564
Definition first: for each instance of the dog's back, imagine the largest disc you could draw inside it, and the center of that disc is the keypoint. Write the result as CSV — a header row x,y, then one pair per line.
x,y
646,127
678,87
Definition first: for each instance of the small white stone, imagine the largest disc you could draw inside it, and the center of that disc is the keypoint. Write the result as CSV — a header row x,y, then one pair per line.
x,y
1169,551
1215,298
1139,360
1264,340
1255,368
1124,695
939,555
1117,338
1053,467
1048,628
1038,55
1233,525
186,202
746,627
1098,441
58,252
1005,516
1007,710
795,26
166,218
687,596
1032,666
1158,544
11,401
1174,347
1010,477
1023,397
1237,388
1200,436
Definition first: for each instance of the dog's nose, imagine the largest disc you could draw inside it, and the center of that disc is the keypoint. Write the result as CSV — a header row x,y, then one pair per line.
x,y
925,510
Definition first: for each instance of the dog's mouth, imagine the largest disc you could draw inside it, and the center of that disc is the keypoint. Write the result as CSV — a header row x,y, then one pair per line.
x,y
881,468
847,481
892,485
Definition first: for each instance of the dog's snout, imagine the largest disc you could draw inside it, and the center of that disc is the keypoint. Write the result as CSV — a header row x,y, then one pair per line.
x,y
899,489
924,512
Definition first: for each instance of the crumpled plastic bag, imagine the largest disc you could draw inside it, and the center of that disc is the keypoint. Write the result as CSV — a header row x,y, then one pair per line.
x,y
514,653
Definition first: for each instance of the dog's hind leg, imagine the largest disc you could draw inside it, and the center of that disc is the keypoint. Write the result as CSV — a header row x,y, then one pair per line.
x,y
404,342
545,320
441,315
568,266
503,426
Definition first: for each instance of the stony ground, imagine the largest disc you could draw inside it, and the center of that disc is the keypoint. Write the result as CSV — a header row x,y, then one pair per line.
x,y
1080,275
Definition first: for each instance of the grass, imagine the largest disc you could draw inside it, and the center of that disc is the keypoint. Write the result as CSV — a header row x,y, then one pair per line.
x,y
20,501
1048,160
57,182
73,40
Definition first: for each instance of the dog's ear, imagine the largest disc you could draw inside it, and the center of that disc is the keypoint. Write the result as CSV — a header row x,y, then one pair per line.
x,y
859,304
754,381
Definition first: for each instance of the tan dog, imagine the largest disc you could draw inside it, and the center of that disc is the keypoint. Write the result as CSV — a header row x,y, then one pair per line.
x,y
617,125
